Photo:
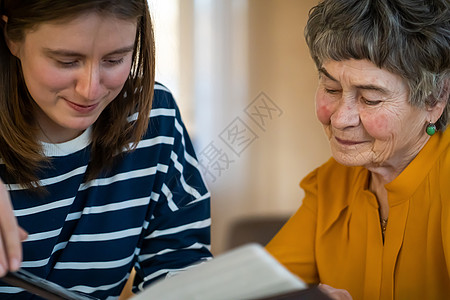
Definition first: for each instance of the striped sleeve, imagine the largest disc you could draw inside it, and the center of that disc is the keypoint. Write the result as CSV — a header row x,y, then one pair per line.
x,y
178,231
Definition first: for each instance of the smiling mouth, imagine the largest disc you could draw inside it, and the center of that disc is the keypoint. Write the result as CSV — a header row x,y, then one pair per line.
x,y
347,142
81,108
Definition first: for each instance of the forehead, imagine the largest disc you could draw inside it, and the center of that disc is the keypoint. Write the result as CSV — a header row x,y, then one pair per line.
x,y
360,73
84,29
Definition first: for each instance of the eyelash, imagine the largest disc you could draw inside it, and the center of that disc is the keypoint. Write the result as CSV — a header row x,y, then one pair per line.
x,y
71,64
332,92
370,102
68,64
366,101
115,61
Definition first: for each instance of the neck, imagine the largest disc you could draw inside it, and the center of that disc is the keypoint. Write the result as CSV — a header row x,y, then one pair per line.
x,y
51,132
376,186
388,170
384,174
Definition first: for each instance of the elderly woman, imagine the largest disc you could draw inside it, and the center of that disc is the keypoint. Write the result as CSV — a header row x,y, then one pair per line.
x,y
375,220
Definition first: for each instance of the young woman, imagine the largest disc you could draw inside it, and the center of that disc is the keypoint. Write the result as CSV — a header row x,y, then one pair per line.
x,y
98,172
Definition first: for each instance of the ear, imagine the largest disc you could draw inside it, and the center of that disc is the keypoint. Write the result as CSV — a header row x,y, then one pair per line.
x,y
435,111
14,47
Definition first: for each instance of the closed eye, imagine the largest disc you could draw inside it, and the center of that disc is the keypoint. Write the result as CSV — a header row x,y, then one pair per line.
x,y
67,64
332,91
114,61
371,102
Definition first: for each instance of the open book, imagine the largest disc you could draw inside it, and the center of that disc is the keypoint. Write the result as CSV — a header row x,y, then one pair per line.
x,y
247,272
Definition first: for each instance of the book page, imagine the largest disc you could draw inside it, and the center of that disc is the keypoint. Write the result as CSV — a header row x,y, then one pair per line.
x,y
247,272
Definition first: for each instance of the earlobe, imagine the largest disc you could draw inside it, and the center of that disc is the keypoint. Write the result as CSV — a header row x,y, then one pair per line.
x,y
436,111
14,47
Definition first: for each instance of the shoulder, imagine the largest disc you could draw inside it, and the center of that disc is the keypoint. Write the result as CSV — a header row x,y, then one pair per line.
x,y
333,186
165,116
333,174
440,171
163,98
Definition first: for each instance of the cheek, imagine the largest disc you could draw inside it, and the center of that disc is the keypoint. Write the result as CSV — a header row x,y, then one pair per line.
x,y
115,79
44,78
378,126
323,108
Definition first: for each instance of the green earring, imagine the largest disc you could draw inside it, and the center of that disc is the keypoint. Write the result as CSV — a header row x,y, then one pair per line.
x,y
431,129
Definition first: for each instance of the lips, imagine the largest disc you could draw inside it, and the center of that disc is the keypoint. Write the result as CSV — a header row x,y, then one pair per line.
x,y
81,108
346,142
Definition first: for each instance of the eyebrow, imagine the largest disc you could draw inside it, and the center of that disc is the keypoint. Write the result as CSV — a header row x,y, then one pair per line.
x,y
369,87
69,53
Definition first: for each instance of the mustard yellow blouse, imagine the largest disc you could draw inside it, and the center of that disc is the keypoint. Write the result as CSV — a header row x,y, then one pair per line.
x,y
335,236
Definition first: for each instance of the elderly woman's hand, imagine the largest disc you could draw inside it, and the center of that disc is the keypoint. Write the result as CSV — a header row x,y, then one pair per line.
x,y
335,294
11,235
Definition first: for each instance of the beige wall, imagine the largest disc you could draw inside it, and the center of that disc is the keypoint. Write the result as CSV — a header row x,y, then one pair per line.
x,y
260,51
264,178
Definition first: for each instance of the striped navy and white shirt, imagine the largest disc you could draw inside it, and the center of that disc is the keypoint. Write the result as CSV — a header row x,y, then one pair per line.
x,y
152,212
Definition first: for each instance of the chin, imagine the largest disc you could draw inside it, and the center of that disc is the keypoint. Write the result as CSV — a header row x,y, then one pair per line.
x,y
349,160
81,124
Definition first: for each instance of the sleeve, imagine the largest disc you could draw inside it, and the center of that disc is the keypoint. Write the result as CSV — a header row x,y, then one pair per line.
x,y
294,245
178,233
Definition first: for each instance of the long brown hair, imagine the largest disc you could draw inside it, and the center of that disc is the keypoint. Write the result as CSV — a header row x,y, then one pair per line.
x,y
112,132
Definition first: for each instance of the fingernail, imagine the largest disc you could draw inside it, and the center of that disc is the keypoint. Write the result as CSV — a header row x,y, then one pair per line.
x,y
2,271
14,264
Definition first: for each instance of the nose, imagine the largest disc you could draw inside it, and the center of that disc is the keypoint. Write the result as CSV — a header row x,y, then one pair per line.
x,y
89,82
346,114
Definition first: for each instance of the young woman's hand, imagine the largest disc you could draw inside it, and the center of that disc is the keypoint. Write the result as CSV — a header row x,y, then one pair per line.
x,y
335,294
11,235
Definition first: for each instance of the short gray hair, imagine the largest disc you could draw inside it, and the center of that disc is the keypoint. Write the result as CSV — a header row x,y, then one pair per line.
x,y
410,38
